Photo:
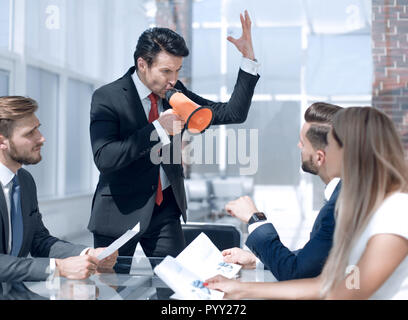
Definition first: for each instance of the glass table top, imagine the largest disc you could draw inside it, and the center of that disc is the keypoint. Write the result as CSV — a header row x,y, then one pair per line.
x,y
132,278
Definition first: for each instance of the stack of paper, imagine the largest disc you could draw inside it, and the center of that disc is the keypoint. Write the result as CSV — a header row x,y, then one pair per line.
x,y
186,274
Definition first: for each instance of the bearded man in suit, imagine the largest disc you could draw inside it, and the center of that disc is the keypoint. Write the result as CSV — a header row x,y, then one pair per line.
x,y
22,231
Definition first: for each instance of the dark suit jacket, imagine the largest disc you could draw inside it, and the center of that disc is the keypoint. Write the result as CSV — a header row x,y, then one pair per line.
x,y
18,291
37,240
308,262
121,145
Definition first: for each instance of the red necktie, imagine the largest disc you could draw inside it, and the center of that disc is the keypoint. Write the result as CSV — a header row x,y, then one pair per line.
x,y
154,115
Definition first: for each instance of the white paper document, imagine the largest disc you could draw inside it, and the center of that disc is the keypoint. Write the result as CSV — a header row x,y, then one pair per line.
x,y
204,258
186,274
185,284
118,243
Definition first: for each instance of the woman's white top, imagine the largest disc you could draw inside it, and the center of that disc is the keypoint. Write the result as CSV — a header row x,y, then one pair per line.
x,y
390,218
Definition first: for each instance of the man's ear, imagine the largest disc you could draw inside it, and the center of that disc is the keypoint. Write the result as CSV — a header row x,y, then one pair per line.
x,y
320,157
141,64
3,142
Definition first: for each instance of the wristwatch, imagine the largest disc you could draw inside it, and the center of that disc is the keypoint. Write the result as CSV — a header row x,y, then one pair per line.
x,y
256,217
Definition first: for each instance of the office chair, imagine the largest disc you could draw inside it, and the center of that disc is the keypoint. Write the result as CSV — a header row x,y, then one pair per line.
x,y
223,236
228,189
198,196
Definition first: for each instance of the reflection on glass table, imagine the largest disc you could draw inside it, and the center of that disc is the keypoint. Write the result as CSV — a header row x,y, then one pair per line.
x,y
132,278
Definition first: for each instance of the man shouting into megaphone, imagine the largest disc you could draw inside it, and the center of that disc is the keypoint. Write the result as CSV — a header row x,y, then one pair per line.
x,y
124,114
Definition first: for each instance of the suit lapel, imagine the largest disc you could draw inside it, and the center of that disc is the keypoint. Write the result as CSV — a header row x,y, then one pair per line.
x,y
166,105
5,218
132,95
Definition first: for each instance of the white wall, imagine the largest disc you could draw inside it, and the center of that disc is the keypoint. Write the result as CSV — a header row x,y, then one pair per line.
x,y
58,52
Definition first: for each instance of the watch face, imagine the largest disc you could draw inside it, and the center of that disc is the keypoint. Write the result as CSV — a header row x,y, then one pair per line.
x,y
257,216
260,215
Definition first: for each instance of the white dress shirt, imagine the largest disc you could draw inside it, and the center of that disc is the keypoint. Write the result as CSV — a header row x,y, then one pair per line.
x,y
247,65
144,93
6,177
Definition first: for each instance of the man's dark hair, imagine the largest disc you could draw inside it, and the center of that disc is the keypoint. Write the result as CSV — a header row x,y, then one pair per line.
x,y
320,115
321,112
155,40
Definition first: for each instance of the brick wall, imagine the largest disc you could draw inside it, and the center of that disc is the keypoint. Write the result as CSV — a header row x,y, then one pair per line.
x,y
390,57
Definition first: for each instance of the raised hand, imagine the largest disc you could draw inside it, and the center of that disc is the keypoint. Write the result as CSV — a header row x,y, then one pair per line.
x,y
244,44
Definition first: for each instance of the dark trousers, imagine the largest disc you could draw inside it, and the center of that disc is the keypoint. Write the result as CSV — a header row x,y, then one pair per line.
x,y
164,235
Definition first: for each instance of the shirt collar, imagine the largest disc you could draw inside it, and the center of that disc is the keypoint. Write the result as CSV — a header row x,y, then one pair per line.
x,y
6,175
330,188
142,90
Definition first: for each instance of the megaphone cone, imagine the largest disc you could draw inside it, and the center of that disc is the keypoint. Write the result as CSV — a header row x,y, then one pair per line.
x,y
197,118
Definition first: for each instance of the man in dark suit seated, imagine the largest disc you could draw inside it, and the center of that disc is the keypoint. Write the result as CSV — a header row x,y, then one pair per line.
x,y
22,231
263,239
125,115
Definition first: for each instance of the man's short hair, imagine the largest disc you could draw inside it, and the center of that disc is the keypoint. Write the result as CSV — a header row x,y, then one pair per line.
x,y
13,108
321,112
154,40
320,115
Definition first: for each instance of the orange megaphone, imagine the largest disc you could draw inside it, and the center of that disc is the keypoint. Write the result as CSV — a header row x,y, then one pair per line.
x,y
197,118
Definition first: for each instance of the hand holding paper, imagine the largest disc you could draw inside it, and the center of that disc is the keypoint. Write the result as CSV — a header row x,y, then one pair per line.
x,y
106,263
185,284
116,245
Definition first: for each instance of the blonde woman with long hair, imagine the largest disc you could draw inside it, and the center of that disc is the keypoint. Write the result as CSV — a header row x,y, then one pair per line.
x,y
369,254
